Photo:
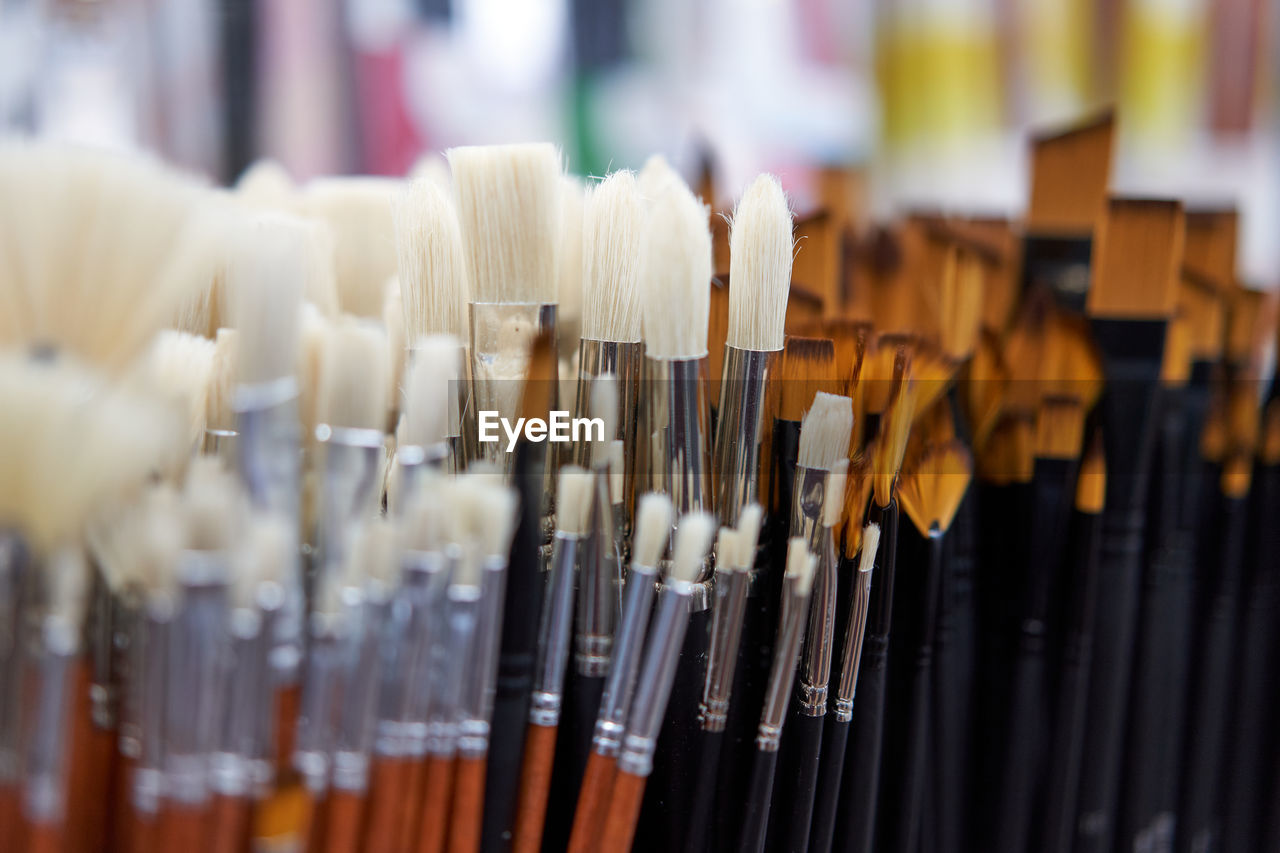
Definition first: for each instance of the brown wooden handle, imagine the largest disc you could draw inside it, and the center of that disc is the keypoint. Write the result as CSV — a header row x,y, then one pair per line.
x,y
139,832
182,828
229,832
624,811
8,811
388,788
593,802
89,771
535,785
342,824
468,806
437,802
288,700
45,838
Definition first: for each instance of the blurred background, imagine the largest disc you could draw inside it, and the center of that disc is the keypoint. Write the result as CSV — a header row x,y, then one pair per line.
x,y
929,101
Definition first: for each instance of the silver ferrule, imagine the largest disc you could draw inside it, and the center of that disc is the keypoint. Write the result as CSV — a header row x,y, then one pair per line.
x,y
433,699
351,458
462,415
47,744
428,656
855,630
597,594
130,637
806,506
726,632
554,627
222,443
357,705
815,661
404,651
783,671
242,679
319,692
442,727
100,634
624,361
657,674
502,336
676,436
155,654
740,428
272,598
477,697
620,683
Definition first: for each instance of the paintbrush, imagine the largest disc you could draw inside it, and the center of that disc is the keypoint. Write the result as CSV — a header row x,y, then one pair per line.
x,y
422,441
569,264
433,293
358,213
676,455
656,676
1130,301
554,634
796,585
735,556
653,526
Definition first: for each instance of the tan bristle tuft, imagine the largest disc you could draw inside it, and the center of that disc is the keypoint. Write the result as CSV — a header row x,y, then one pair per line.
x,y
1137,255
870,545
761,252
800,564
393,324
433,278
857,493
573,499
833,495
983,389
808,367
179,367
1091,483
1212,236
931,372
540,382
1237,474
613,222
604,405
824,432
690,546
1009,456
878,370
1243,418
895,429
267,185
508,202
654,514
656,176
1214,434
1070,171
960,304
431,166
675,299
375,549
428,390
358,212
569,260
931,492
313,335
749,523
265,557
492,511
353,376
428,519
266,279
1059,428
1071,362
213,505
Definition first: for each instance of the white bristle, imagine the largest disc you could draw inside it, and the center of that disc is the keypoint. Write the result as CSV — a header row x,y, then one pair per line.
x,y
692,541
266,184
760,255
313,334
212,505
433,282
604,405
824,431
118,538
833,495
567,379
393,323
800,564
573,499
265,557
492,511
508,203
613,224
162,540
656,176
617,471
431,166
675,290
654,515
727,549
749,523
428,516
179,366
376,548
870,542
219,411
353,375
358,210
266,277
428,384
569,264
66,575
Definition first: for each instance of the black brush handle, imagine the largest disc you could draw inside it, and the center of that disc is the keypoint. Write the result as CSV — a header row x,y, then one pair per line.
x,y
804,743
1018,788
953,682
835,738
704,793
755,817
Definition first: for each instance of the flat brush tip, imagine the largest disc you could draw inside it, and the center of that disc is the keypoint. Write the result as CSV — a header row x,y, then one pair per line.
x,y
653,527
573,499
825,431
800,564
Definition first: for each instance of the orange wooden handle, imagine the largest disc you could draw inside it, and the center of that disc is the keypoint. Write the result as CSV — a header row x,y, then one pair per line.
x,y
535,785
437,802
229,832
342,827
89,772
182,828
8,811
45,838
624,811
468,806
288,700
139,831
388,782
593,802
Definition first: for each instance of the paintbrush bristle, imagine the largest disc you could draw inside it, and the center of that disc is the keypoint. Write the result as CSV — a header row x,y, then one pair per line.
x,y
1137,257
375,550
824,431
433,283
1201,304
833,495
393,325
613,231
690,546
870,544
675,298
313,335
265,279
895,429
428,519
569,261
1175,369
1270,450
727,549
508,203
1070,171
857,493
656,176
265,558
761,252
1009,456
960,304
930,492
800,565
267,184
219,412
179,367
428,386
575,487
1237,474
1212,237
808,367
604,406
212,505
358,213
353,376
1072,364
1059,428
654,514
750,521
1091,483
491,509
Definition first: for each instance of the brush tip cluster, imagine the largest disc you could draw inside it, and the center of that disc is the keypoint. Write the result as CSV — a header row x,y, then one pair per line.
x,y
354,367
573,499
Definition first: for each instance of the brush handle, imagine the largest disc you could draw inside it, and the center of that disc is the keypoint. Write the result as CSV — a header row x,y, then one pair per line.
x,y
593,803
436,802
389,782
803,743
468,805
573,751
1018,787
704,792
755,819
624,811
835,738
953,676
44,838
8,810
535,784
342,822
230,825
182,828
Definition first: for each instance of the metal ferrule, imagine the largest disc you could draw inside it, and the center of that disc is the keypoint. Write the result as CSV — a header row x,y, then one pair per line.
x,y
432,701
476,707
100,630
782,673
815,662
740,433
597,595
462,415
47,745
128,642
502,335
155,653
656,677
620,683
222,443
271,598
806,506
357,704
229,767
676,436
624,361
320,689
853,635
442,727
554,627
351,458
726,632
13,560
413,462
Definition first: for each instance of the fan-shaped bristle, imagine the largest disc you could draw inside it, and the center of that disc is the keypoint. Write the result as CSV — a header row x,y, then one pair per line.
x,y
825,431
931,491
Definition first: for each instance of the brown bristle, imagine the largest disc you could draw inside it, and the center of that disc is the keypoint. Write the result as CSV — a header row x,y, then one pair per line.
x,y
1070,171
803,306
1091,483
1175,370
895,429
983,388
1059,428
1236,475
719,242
857,492
931,491
808,366
960,306
1025,353
936,425
1201,304
1213,436
1211,245
841,190
1271,434
1072,365
1243,426
540,382
1009,455
817,263
717,332
1137,254
1247,319
877,371
932,372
